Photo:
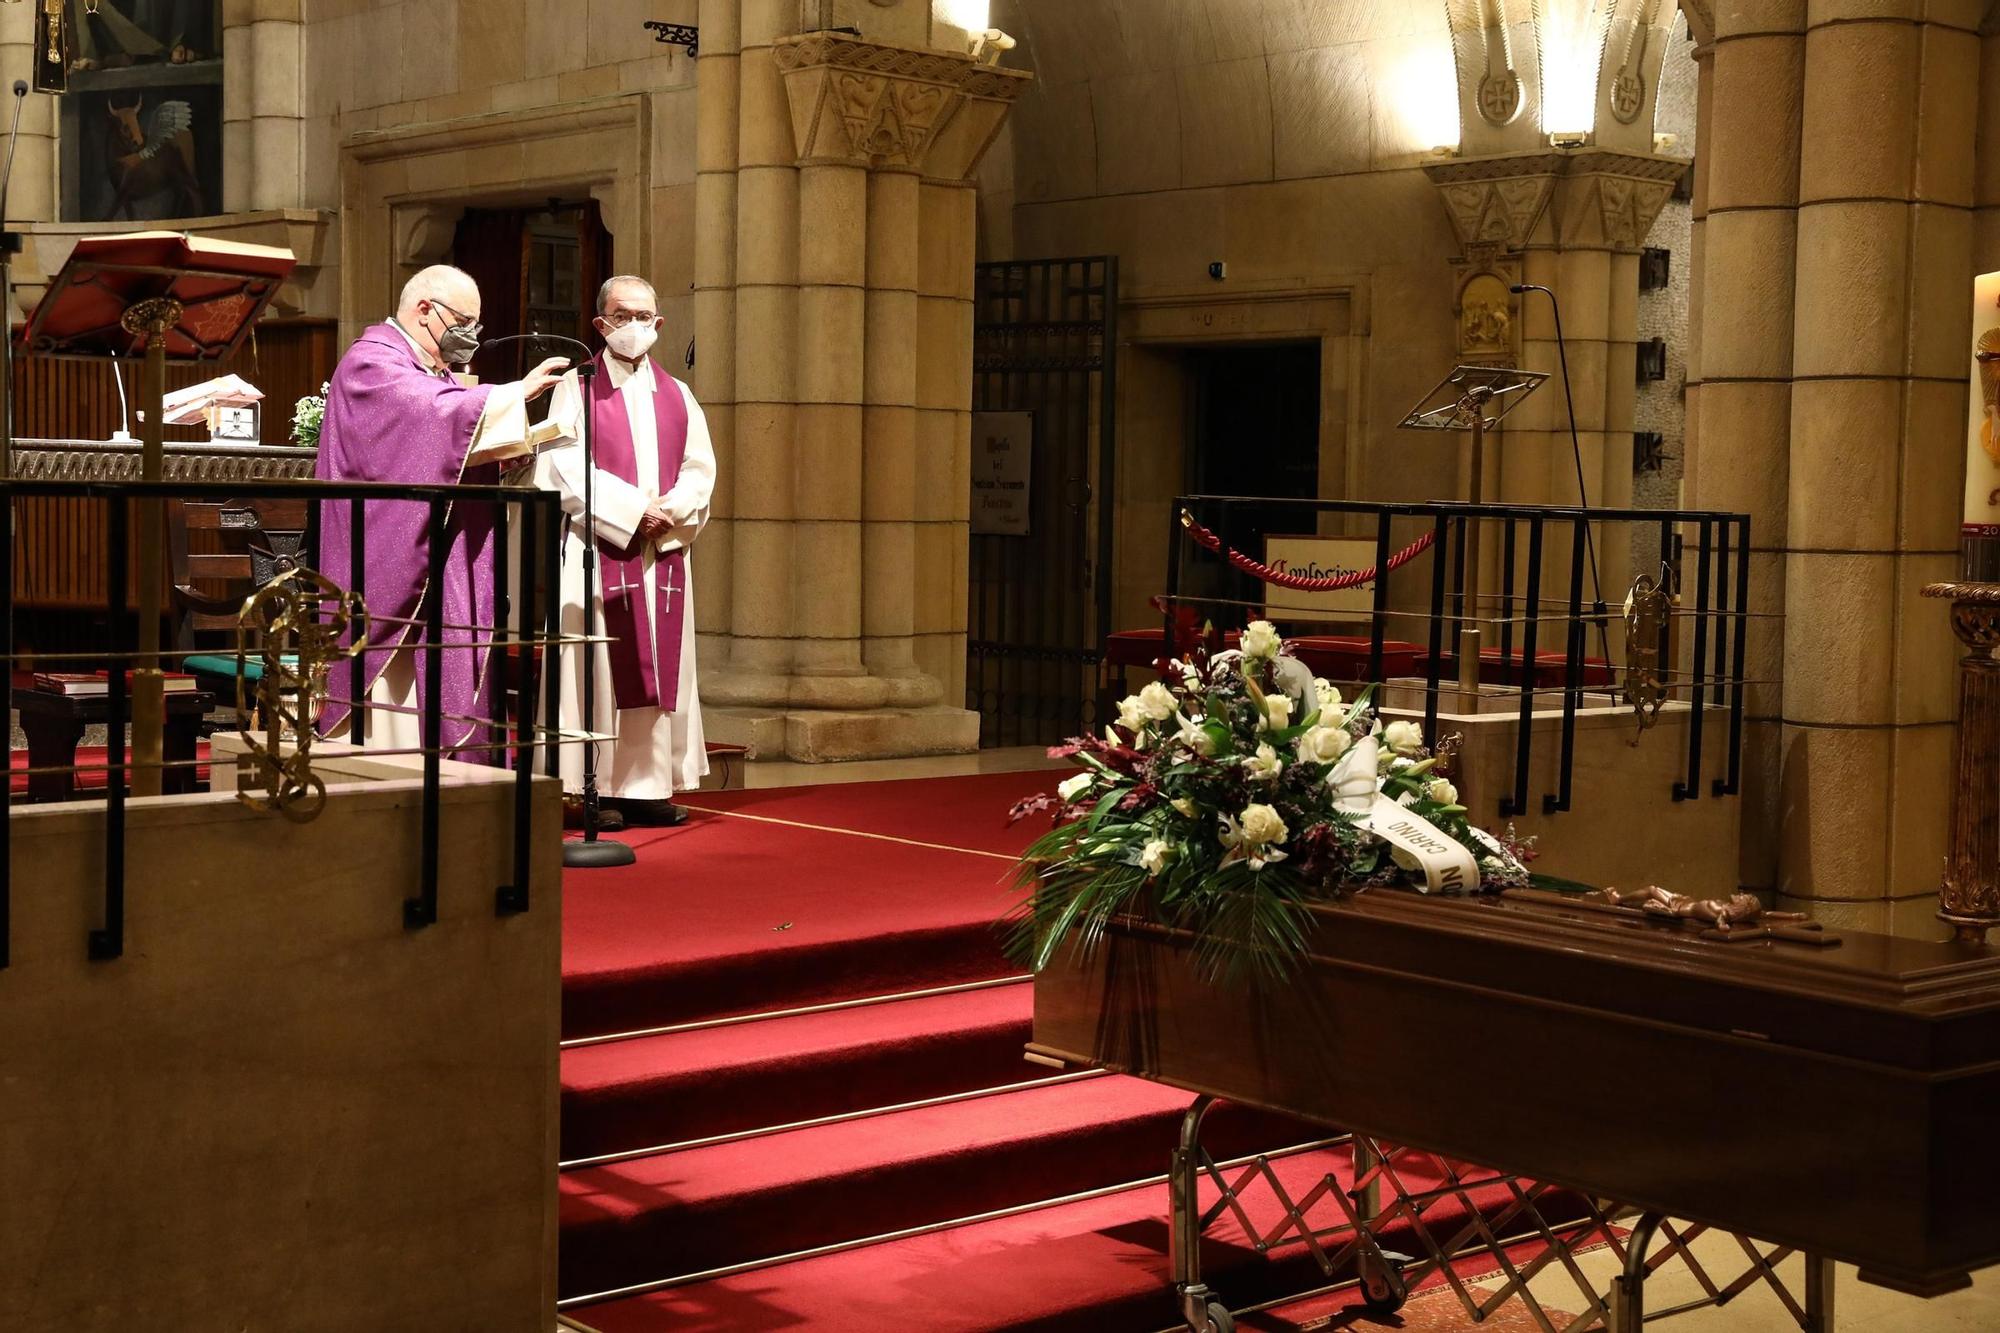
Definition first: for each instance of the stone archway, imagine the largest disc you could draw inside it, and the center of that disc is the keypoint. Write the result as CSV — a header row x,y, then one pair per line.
x,y
402,188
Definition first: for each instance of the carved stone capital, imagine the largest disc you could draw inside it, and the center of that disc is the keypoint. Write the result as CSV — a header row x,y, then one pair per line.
x,y
888,107
1565,200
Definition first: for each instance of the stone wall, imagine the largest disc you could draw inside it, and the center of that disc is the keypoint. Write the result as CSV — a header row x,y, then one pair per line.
x,y
1283,139
280,1109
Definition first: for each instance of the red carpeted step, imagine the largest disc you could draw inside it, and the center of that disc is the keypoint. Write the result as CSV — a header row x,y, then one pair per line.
x,y
625,1095
728,916
703,1208
968,812
1096,1266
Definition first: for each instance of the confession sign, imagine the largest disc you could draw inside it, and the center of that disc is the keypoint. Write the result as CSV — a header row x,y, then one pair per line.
x,y
1313,557
1003,450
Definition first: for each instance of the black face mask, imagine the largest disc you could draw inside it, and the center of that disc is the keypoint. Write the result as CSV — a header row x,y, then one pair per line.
x,y
458,342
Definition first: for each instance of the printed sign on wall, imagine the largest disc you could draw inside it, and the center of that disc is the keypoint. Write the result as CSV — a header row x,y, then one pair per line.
x,y
1003,451
1313,557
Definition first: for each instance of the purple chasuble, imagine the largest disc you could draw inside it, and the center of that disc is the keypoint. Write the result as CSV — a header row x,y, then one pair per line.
x,y
389,419
645,653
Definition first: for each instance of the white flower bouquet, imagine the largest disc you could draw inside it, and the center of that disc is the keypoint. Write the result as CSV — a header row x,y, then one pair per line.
x,y
307,414
1229,797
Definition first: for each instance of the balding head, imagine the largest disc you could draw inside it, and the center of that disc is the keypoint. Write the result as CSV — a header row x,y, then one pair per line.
x,y
453,287
627,290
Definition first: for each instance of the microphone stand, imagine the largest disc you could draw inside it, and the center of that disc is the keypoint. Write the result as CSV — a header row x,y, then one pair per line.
x,y
1576,452
590,852
10,245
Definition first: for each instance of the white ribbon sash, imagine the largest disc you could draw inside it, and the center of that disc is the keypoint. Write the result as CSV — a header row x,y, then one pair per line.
x,y
1446,864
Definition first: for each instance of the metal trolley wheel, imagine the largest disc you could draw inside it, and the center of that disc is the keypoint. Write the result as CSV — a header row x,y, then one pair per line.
x,y
1383,1289
1219,1319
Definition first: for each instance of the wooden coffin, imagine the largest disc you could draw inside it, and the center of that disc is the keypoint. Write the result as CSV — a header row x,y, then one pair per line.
x,y
1844,1100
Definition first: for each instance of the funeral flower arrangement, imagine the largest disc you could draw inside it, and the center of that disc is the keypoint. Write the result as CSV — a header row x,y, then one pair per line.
x,y
307,414
1227,799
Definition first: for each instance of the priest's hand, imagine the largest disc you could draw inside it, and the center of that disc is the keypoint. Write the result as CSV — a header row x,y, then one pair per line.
x,y
655,522
543,378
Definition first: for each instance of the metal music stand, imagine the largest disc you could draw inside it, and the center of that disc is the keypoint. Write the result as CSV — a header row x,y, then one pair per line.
x,y
171,297
1472,398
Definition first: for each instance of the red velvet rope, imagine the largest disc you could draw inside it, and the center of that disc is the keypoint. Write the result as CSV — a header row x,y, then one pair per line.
x,y
1258,570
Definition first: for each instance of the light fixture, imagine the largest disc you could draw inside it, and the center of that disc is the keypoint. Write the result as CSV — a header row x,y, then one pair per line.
x,y
975,16
1422,86
990,45
1571,36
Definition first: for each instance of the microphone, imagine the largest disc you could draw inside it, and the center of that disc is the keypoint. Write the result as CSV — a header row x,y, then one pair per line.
x,y
10,245
1576,452
13,139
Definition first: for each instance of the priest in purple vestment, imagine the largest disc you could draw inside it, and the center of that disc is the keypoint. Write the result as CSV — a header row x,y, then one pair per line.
x,y
653,477
396,413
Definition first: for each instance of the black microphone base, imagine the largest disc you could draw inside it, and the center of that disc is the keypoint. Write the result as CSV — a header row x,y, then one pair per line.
x,y
596,854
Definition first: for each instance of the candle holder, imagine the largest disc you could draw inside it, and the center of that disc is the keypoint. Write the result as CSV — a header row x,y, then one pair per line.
x,y
1969,896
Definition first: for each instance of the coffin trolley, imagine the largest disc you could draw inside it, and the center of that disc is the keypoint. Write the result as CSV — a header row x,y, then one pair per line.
x,y
1832,1094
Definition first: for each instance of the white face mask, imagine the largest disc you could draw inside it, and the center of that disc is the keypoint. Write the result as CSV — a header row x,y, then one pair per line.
x,y
633,341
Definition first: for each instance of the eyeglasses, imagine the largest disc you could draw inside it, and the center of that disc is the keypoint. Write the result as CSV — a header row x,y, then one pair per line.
x,y
618,319
471,326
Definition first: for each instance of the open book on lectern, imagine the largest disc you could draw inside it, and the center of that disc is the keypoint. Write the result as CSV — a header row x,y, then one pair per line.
x,y
221,287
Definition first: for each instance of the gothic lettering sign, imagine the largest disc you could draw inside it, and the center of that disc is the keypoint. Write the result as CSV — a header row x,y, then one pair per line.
x,y
1003,450
1315,557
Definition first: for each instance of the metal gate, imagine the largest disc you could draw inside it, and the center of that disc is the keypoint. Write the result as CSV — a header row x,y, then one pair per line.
x,y
1045,344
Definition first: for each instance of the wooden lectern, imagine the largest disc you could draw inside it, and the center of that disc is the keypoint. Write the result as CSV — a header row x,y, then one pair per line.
x,y
170,297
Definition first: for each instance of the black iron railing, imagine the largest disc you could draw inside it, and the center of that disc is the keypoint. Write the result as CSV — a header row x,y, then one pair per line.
x,y
1715,600
532,590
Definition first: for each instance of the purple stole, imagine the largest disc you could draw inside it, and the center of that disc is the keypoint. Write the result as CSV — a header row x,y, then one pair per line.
x,y
645,671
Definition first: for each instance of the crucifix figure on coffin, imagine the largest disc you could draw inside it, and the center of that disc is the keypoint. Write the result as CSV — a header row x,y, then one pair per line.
x,y
654,475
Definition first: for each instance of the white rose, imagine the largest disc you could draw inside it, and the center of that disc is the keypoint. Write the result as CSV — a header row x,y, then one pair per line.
x,y
1261,640
1071,788
1442,792
1277,712
1131,714
1262,826
1263,766
1154,856
1156,701
1330,701
1404,738
1323,745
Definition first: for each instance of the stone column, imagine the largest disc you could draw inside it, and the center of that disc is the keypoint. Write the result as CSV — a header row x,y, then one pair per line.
x,y
263,105
889,482
1572,221
766,361
717,94
1885,189
852,301
1749,162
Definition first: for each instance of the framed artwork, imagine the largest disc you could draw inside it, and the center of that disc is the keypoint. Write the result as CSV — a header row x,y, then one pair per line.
x,y
142,124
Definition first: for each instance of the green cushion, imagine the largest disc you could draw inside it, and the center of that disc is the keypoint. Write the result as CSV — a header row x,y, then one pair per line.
x,y
218,664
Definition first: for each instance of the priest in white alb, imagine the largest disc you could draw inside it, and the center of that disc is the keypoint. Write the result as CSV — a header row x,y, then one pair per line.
x,y
654,474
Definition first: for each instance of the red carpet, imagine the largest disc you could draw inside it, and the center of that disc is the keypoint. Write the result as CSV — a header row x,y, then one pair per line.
x,y
691,1085
955,812
776,900
93,777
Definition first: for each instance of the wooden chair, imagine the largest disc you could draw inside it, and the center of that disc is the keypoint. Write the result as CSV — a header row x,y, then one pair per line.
x,y
245,544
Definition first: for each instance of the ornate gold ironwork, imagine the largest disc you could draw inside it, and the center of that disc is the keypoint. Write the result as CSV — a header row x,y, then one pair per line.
x,y
151,317
1969,894
297,621
1647,608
